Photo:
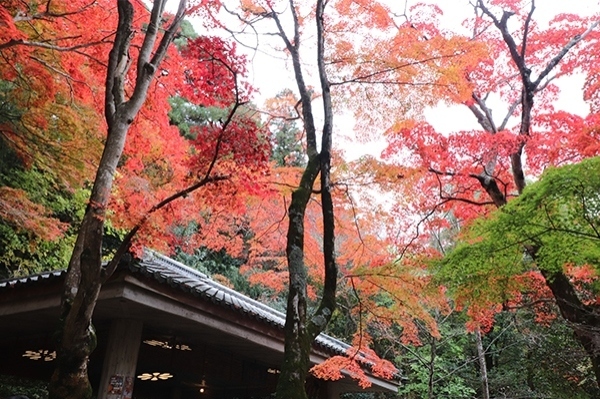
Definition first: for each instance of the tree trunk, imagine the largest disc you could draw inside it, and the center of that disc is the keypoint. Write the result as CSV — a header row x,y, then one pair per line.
x,y
584,319
485,389
298,338
76,337
301,328
431,371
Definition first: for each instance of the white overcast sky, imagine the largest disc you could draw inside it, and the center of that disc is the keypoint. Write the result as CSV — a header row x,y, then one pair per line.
x,y
571,87
270,72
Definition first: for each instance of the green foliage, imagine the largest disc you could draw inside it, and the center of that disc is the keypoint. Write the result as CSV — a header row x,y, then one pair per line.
x,y
21,386
557,219
285,136
219,263
37,171
441,367
368,395
287,148
22,251
186,115
529,359
20,255
9,113
342,324
553,224
524,359
186,32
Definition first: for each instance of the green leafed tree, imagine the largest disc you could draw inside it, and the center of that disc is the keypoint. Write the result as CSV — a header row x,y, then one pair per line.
x,y
543,245
187,115
286,136
443,366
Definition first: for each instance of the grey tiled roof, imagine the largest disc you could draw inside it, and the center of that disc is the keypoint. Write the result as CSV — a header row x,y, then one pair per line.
x,y
32,278
168,271
176,274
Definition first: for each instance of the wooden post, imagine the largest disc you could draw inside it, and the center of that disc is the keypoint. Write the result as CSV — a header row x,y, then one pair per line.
x,y
332,390
120,360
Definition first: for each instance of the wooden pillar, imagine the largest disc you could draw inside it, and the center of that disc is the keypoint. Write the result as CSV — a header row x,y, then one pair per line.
x,y
333,390
120,359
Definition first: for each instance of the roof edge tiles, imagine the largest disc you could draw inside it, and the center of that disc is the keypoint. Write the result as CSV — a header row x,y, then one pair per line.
x,y
153,262
11,282
180,276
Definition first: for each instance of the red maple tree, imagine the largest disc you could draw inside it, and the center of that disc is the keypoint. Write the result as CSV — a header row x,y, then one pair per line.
x,y
69,75
464,175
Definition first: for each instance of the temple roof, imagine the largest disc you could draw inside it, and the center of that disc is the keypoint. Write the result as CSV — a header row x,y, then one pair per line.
x,y
177,275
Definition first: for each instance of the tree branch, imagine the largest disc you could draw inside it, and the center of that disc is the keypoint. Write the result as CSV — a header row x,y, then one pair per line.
x,y
305,95
24,42
126,243
526,31
554,61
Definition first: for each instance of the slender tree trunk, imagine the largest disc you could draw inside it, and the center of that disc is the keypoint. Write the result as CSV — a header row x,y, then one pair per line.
x,y
303,326
431,370
485,389
298,337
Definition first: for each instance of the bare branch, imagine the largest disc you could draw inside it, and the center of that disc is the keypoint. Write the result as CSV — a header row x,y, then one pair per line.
x,y
526,31
23,42
509,113
554,61
365,78
483,115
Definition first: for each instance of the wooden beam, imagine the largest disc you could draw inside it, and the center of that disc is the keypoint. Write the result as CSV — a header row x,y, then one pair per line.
x,y
194,312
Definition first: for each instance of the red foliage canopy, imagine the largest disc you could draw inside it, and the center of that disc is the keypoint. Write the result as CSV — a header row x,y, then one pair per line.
x,y
52,65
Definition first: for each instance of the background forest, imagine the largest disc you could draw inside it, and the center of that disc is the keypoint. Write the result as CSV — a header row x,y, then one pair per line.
x,y
469,258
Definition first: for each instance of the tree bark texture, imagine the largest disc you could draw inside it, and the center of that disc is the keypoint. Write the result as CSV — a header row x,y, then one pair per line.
x,y
485,388
303,326
584,319
76,338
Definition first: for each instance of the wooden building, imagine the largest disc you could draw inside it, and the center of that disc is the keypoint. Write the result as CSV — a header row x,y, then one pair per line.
x,y
164,331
